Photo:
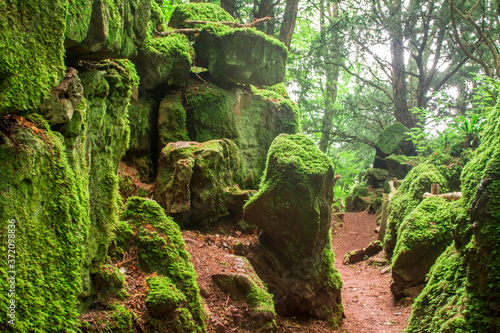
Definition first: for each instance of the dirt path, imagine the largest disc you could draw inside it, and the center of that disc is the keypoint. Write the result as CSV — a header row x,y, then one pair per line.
x,y
368,303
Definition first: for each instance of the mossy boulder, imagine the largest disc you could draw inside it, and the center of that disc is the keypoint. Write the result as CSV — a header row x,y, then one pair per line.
x,y
358,200
175,297
165,59
393,140
192,178
103,29
171,121
293,208
408,196
424,234
208,12
250,289
398,166
242,55
32,56
463,291
376,178
140,112
251,120
45,217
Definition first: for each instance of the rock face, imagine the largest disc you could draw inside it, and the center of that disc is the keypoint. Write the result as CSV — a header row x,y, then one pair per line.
x,y
243,55
463,290
173,296
424,234
406,199
194,179
293,208
251,120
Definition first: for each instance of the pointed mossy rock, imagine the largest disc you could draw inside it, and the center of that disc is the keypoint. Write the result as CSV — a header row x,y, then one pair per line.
x,y
463,291
161,249
171,121
424,234
192,178
208,12
44,210
251,120
103,29
293,208
408,196
242,55
32,52
165,59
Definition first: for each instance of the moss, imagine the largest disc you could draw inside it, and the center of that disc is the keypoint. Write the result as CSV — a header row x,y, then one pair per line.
x,y
163,296
122,319
32,57
198,12
161,249
407,197
42,193
390,140
172,120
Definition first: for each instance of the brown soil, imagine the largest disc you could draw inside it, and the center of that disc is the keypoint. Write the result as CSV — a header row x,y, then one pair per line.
x,y
368,303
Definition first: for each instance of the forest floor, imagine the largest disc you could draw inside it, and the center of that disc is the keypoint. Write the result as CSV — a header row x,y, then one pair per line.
x,y
368,303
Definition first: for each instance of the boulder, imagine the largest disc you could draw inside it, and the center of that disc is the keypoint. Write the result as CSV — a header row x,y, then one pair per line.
x,y
407,197
192,178
398,166
165,59
171,121
156,240
208,12
251,119
242,55
393,140
99,29
359,255
376,177
423,235
293,208
249,288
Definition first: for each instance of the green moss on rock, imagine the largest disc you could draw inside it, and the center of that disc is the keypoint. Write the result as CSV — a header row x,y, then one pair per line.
x,y
41,199
242,55
161,249
163,296
171,120
32,56
424,234
197,12
392,140
407,197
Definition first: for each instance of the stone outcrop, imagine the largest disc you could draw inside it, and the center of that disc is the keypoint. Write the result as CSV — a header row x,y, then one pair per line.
x,y
193,180
423,235
251,120
293,208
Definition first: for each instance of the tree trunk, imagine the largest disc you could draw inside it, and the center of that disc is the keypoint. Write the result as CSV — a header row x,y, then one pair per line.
x,y
228,6
289,18
332,48
401,112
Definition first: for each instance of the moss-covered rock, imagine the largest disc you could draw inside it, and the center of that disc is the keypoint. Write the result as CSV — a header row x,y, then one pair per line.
x,y
250,289
242,55
171,121
45,217
208,12
32,56
293,208
398,166
107,89
251,120
192,178
393,140
376,177
424,234
103,29
164,60
161,249
406,199
463,291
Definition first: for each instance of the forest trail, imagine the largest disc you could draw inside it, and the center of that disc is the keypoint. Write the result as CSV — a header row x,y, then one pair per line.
x,y
368,302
